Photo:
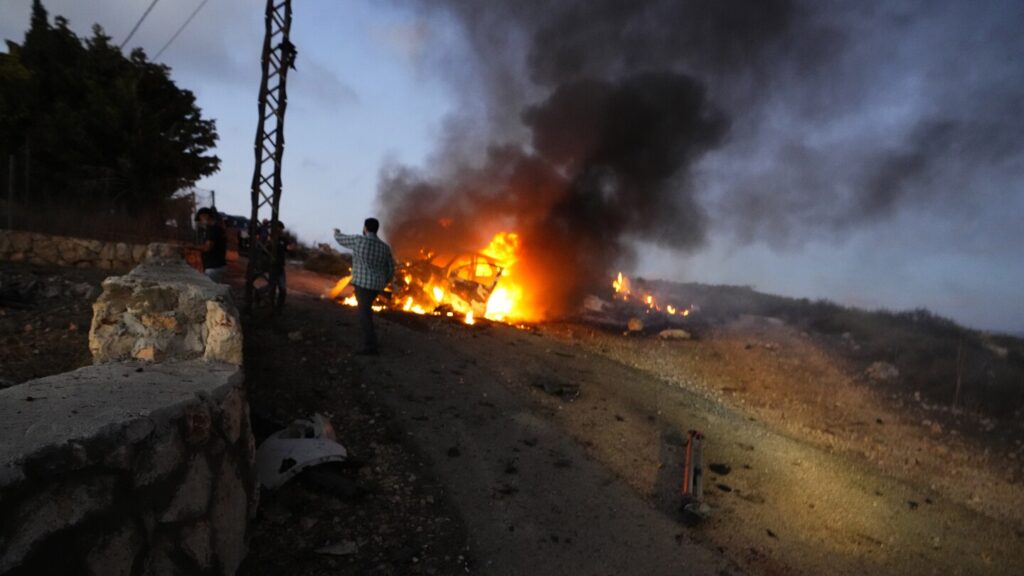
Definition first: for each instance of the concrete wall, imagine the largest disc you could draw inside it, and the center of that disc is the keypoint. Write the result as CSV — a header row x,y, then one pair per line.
x,y
45,249
134,467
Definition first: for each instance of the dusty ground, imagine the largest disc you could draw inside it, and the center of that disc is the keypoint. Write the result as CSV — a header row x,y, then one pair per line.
x,y
44,320
817,473
466,460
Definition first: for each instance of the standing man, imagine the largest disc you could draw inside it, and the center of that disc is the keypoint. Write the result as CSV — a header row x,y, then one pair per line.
x,y
372,269
213,243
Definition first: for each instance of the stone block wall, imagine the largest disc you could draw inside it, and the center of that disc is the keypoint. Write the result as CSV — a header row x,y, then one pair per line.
x,y
49,250
126,469
137,467
165,309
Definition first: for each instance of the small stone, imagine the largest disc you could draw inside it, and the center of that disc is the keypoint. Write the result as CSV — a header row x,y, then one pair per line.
x,y
674,334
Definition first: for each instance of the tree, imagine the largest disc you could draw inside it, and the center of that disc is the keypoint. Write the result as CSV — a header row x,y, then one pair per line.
x,y
106,131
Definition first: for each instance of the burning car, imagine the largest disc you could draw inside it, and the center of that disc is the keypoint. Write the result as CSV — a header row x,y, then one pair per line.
x,y
464,285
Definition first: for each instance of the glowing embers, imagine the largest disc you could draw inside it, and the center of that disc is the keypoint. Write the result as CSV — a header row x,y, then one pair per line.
x,y
623,290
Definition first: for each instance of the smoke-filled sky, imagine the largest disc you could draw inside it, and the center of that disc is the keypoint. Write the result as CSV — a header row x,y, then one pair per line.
x,y
869,152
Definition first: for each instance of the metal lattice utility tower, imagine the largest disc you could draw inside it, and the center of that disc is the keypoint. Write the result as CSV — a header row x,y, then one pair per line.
x,y
278,57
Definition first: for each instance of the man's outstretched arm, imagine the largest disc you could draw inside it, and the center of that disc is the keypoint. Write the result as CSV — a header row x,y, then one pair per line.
x,y
346,240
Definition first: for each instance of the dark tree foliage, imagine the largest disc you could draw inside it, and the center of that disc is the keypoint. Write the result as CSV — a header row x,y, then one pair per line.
x,y
102,131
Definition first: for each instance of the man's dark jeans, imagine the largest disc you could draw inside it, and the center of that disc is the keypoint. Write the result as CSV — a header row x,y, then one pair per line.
x,y
365,298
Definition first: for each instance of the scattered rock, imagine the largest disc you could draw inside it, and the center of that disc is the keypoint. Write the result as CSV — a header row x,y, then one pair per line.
x,y
720,469
882,372
674,334
565,390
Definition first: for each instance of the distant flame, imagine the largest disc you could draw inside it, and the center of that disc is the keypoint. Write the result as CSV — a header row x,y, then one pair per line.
x,y
623,290
469,318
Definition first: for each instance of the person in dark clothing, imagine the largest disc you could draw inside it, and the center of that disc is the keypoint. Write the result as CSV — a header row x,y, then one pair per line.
x,y
281,251
373,266
213,243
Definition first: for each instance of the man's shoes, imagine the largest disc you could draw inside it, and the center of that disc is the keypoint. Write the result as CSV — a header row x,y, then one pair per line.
x,y
368,352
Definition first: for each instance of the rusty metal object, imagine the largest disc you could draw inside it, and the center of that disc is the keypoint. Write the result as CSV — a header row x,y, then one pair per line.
x,y
693,507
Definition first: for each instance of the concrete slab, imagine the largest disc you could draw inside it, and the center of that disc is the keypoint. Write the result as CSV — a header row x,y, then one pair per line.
x,y
81,404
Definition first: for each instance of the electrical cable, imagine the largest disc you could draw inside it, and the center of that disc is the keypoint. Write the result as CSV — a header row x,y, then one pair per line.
x,y
139,23
193,15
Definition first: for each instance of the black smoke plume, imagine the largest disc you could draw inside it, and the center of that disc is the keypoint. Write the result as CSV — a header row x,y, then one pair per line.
x,y
592,124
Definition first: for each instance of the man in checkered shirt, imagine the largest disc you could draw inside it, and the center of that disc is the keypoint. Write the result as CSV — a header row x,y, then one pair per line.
x,y
372,269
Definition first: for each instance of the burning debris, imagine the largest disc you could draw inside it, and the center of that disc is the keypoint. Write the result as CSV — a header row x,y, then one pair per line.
x,y
465,285
493,283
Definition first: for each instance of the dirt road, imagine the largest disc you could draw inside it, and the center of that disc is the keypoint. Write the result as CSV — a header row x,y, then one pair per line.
x,y
589,486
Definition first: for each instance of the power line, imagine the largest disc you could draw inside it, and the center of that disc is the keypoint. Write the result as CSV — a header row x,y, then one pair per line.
x,y
139,23
194,12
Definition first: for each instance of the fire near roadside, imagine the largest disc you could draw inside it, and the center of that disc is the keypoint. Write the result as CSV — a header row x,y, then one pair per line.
x,y
492,283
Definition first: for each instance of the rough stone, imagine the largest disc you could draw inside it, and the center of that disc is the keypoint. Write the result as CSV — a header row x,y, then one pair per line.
x,y
138,253
195,543
107,252
115,555
224,334
882,372
45,249
674,334
56,508
165,454
161,563
165,309
20,241
192,498
197,424
229,513
231,418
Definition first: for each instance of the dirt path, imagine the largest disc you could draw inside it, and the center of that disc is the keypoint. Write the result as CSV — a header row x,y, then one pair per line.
x,y
589,486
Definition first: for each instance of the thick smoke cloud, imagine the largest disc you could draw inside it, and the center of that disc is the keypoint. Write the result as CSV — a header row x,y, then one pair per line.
x,y
607,161
607,121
